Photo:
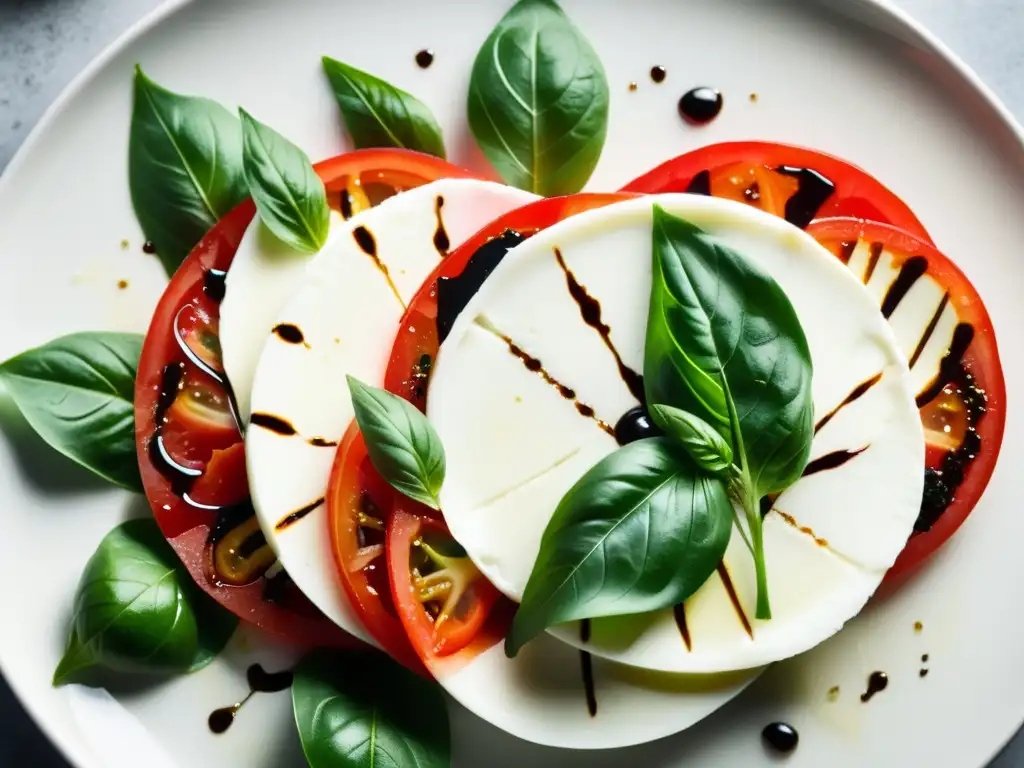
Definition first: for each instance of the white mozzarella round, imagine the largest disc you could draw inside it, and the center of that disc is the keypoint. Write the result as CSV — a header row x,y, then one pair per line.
x,y
515,444
342,319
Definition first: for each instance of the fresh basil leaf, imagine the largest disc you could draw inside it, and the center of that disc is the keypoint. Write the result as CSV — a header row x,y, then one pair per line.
x,y
641,531
725,344
137,610
538,100
713,311
708,449
403,446
363,710
184,167
77,392
289,196
377,114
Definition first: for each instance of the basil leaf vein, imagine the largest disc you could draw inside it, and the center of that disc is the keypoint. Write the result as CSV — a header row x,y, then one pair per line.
x,y
401,443
362,710
77,392
725,344
137,609
289,195
378,114
184,167
640,531
538,100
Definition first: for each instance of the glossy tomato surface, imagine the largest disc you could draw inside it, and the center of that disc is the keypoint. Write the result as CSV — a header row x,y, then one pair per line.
x,y
190,448
962,399
797,184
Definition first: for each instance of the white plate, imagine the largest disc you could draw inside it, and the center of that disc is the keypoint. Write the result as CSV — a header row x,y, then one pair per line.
x,y
845,76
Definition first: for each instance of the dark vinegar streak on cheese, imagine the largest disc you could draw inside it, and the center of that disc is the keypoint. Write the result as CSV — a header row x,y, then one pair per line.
x,y
813,190
723,573
951,364
590,311
874,254
454,293
441,240
587,669
368,244
289,333
858,392
679,614
290,520
272,423
322,442
911,271
831,460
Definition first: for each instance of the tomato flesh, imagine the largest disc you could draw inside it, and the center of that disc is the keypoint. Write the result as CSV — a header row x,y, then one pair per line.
x,y
190,449
962,405
770,176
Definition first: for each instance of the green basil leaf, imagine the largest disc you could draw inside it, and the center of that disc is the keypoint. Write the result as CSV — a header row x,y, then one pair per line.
x,y
184,167
708,449
641,531
137,610
362,710
289,196
713,311
403,446
377,114
77,392
538,100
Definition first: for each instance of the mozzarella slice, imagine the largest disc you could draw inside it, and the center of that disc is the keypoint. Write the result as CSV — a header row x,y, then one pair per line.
x,y
342,319
516,442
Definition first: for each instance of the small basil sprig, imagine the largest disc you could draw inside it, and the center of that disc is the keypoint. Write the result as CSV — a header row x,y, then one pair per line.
x,y
377,114
289,196
725,345
138,610
538,100
362,710
402,445
77,393
708,449
184,167
640,531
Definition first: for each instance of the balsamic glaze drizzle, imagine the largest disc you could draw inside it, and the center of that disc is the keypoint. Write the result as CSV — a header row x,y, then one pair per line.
x,y
454,293
290,520
813,190
912,269
700,184
782,737
587,668
831,460
260,681
877,682
679,613
874,254
858,392
272,423
951,365
345,203
723,573
289,333
215,284
590,311
846,249
441,240
929,330
368,244
322,442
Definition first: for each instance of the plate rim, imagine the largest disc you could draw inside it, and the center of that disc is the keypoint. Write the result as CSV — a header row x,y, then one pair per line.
x,y
77,752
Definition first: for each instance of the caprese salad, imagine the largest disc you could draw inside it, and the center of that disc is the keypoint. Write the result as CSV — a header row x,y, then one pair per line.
x,y
494,436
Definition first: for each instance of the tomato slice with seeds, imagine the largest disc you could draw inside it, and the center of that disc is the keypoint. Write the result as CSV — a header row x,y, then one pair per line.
x,y
794,183
190,449
945,330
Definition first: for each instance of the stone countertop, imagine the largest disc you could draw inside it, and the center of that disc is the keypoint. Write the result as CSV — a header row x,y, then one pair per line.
x,y
45,43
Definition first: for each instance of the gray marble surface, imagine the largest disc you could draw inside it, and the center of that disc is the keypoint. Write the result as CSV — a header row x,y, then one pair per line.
x,y
44,43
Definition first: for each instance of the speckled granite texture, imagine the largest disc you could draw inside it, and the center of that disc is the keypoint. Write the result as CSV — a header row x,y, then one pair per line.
x,y
44,43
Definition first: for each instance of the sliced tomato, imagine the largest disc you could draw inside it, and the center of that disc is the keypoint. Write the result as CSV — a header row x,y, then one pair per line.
x,y
962,399
445,604
797,184
358,504
190,448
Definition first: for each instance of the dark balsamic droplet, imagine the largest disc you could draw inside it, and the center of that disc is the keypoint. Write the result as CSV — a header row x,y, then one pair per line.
x,y
365,240
781,737
289,333
441,240
221,719
272,423
831,461
700,184
700,105
635,424
923,673
877,682
294,517
149,247
425,58
812,191
215,284
658,73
